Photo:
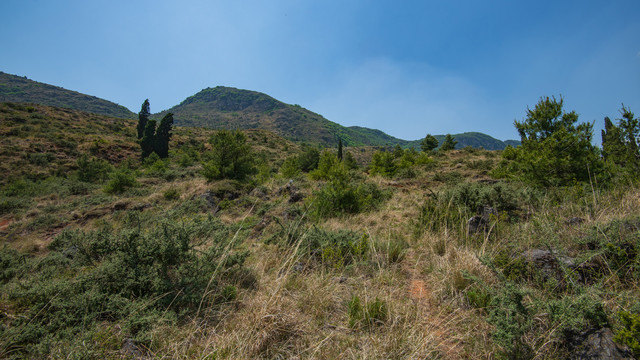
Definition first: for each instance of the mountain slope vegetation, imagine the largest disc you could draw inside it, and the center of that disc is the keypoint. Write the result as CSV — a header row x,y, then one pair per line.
x,y
401,254
20,89
231,108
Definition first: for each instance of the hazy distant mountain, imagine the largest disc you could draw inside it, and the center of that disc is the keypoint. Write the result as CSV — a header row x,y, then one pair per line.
x,y
20,89
231,108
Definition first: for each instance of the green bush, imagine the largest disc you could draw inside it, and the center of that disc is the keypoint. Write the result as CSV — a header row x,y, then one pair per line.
x,y
554,150
512,320
630,333
144,275
93,170
120,181
335,249
344,195
231,157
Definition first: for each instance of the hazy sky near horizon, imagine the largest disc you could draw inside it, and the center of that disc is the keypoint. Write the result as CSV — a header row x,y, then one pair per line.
x,y
407,68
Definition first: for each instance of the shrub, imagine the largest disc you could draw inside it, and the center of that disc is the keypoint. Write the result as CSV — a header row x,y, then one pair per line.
x,y
335,249
630,334
93,170
231,157
171,194
289,168
120,181
345,195
382,163
135,279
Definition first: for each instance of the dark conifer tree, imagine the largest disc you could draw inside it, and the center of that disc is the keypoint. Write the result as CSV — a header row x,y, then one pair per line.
x,y
162,136
143,118
147,144
449,143
340,149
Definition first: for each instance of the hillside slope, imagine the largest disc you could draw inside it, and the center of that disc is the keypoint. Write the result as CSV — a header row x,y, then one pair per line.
x,y
231,108
22,90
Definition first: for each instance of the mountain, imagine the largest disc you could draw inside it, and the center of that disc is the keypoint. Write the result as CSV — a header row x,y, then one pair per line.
x,y
22,90
230,108
473,139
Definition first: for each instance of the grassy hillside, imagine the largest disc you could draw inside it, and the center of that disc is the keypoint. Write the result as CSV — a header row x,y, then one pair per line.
x,y
20,89
105,256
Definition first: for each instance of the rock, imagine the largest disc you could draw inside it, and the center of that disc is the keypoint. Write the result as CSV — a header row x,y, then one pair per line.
x,y
287,189
597,345
295,197
121,205
140,207
70,252
340,279
550,264
210,201
574,221
131,350
481,222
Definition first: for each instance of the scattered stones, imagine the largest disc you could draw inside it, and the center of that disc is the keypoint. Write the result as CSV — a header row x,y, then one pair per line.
x,y
481,222
597,344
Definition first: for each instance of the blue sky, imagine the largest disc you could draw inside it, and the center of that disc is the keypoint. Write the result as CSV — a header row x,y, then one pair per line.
x,y
405,67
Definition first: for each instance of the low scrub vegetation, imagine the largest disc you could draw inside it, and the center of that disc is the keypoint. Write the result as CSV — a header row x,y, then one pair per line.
x,y
245,245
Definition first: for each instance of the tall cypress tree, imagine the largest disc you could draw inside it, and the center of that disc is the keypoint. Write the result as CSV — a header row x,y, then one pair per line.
x,y
340,149
147,144
163,134
143,118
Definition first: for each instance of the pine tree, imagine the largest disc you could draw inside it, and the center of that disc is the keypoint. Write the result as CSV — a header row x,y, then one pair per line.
x,y
143,118
429,143
449,143
162,136
556,150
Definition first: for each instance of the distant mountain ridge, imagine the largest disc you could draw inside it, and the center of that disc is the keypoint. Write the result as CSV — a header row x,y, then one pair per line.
x,y
20,89
230,108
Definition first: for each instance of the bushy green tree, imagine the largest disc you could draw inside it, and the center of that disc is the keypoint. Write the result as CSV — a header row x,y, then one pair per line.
x,y
231,157
620,143
556,150
143,118
382,163
429,143
309,159
327,165
449,143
